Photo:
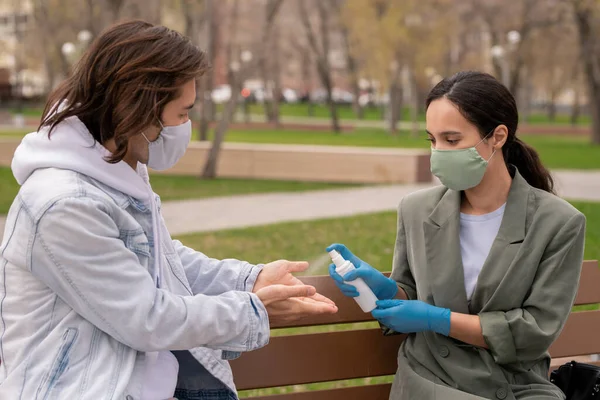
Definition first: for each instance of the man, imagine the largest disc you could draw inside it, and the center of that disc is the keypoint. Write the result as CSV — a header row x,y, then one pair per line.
x,y
96,300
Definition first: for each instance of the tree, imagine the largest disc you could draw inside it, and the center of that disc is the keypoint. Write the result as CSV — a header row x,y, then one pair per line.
x,y
208,81
269,41
353,71
236,73
389,37
318,39
526,17
553,62
586,14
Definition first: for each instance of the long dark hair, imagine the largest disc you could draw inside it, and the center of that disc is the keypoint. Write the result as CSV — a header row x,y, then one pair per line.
x,y
486,103
123,81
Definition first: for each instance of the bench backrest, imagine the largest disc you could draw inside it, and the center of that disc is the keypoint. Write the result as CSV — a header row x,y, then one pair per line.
x,y
336,355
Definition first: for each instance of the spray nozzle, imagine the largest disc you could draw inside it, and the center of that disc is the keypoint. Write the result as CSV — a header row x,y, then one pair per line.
x,y
337,258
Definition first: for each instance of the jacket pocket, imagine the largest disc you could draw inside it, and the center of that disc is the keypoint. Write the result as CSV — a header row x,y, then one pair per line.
x,y
60,364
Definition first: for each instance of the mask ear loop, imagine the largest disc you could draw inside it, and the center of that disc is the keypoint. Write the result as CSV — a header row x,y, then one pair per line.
x,y
486,136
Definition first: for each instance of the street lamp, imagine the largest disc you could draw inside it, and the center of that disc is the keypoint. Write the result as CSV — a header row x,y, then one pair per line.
x,y
234,66
501,54
84,36
246,56
513,37
68,49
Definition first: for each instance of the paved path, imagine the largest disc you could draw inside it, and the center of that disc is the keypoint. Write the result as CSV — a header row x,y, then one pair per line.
x,y
261,209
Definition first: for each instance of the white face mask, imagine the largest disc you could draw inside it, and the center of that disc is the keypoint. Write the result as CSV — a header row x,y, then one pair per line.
x,y
170,145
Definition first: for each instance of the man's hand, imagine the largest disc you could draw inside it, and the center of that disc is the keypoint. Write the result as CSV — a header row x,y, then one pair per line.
x,y
286,297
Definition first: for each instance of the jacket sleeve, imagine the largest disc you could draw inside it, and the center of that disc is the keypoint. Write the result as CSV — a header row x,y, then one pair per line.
x,y
400,269
77,251
525,334
214,277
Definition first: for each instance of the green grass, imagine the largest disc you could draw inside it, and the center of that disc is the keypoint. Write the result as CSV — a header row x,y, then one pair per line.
x,y
8,189
187,187
14,133
30,112
371,236
345,112
557,152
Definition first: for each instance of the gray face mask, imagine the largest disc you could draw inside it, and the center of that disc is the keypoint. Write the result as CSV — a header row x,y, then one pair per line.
x,y
459,169
170,146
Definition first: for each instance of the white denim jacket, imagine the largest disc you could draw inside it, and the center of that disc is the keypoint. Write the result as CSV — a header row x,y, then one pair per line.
x,y
79,309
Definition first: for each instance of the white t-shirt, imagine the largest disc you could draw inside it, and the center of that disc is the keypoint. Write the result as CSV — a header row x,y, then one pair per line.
x,y
477,234
160,379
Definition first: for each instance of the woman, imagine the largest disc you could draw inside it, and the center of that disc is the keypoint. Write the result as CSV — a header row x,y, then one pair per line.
x,y
486,267
96,300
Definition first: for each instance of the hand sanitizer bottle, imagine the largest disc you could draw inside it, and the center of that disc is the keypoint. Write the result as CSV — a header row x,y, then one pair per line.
x,y
366,299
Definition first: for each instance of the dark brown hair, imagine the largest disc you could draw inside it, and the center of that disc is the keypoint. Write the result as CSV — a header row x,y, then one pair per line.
x,y
122,83
486,103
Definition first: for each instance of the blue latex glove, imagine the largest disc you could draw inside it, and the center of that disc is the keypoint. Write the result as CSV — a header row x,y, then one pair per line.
x,y
383,287
411,316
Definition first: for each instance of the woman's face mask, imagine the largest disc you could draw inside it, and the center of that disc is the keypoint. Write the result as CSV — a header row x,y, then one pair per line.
x,y
460,169
169,147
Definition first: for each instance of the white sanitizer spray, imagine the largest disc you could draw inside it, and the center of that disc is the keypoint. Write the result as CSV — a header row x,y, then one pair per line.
x,y
366,299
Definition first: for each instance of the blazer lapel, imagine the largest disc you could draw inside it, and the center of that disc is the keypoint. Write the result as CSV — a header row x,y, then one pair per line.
x,y
506,245
444,261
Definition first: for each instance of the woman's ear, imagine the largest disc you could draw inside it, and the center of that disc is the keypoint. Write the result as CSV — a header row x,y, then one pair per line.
x,y
500,136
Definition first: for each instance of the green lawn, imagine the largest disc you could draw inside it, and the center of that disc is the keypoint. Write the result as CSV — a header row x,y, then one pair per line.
x,y
564,152
187,187
559,152
345,112
369,236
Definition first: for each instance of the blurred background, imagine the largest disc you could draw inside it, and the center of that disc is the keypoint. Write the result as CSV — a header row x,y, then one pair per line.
x,y
309,128
312,115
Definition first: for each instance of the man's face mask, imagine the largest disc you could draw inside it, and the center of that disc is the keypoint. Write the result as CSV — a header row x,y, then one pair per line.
x,y
170,146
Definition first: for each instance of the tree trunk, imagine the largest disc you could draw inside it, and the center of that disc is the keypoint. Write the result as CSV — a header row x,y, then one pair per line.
x,y
415,106
353,72
358,110
335,123
276,96
208,81
311,107
576,108
393,109
210,167
583,18
271,9
551,108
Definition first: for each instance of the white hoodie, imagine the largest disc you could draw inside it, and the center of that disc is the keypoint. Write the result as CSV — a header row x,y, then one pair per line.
x,y
72,147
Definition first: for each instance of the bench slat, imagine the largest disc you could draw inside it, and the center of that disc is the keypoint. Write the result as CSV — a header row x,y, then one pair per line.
x,y
371,392
579,337
589,284
341,355
322,357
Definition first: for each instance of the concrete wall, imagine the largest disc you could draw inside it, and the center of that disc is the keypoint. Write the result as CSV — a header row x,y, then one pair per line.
x,y
300,163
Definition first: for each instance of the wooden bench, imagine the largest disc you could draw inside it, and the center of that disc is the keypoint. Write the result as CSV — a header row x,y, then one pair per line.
x,y
366,353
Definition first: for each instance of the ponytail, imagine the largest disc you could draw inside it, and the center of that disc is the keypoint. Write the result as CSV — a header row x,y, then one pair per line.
x,y
527,161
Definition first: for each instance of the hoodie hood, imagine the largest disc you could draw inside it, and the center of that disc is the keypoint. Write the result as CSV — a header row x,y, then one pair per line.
x,y
72,147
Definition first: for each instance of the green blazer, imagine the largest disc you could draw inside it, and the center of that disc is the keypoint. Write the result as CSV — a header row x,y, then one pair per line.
x,y
523,296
